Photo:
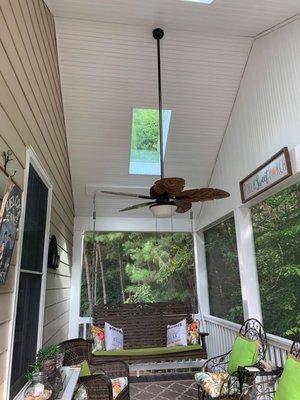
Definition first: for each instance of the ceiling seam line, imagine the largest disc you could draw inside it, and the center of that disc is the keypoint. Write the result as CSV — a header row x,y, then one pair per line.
x,y
278,26
227,123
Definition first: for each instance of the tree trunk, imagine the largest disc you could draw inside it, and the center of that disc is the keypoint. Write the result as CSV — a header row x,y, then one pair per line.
x,y
102,274
87,274
121,275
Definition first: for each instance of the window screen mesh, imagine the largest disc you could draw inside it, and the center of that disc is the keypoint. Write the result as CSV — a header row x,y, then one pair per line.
x,y
223,272
27,318
139,267
276,225
35,222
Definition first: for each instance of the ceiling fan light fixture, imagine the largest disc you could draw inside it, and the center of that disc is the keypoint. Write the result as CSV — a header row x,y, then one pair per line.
x,y
163,210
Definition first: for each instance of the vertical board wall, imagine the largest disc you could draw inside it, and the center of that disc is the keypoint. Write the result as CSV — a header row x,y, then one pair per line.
x,y
31,114
265,117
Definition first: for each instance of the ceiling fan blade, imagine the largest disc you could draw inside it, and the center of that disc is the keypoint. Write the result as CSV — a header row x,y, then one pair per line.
x,y
141,205
139,196
172,186
183,205
204,194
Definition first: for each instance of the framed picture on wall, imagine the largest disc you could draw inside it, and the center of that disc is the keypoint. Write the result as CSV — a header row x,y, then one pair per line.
x,y
10,214
269,174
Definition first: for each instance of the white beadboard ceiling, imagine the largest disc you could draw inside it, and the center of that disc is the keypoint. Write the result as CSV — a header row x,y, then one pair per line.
x,y
107,60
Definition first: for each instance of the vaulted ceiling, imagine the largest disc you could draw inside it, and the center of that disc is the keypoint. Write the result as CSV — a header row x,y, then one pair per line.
x,y
107,60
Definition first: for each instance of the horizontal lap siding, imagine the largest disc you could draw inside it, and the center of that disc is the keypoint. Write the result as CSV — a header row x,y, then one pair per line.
x,y
31,114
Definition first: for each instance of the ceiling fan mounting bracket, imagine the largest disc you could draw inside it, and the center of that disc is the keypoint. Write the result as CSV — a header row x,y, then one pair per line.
x,y
158,33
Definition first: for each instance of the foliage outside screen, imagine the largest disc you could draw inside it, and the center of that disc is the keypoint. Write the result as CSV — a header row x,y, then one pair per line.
x,y
223,272
276,223
140,267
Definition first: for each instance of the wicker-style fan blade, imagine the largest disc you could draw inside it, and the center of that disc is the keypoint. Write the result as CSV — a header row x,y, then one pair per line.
x,y
140,196
204,194
172,186
183,205
141,205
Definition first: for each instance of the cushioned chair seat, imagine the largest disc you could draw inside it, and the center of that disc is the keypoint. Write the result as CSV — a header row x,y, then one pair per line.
x,y
150,351
213,383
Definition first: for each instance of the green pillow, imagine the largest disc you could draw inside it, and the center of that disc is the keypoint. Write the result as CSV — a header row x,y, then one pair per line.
x,y
289,383
244,352
85,369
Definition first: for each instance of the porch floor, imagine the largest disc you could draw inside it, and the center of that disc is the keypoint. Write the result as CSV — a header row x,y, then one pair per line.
x,y
162,387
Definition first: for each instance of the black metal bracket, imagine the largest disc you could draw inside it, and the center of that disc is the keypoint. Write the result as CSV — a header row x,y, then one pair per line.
x,y
7,157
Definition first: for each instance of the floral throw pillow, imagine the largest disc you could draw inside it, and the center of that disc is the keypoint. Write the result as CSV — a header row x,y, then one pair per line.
x,y
98,338
193,333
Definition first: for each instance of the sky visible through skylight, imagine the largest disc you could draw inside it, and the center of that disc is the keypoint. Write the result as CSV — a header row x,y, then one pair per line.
x,y
144,152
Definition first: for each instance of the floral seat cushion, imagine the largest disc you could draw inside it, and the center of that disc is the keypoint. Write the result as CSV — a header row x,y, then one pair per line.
x,y
118,385
218,383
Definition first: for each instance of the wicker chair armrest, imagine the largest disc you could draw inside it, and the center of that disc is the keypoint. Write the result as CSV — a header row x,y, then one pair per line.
x,y
112,369
263,390
98,387
75,351
216,364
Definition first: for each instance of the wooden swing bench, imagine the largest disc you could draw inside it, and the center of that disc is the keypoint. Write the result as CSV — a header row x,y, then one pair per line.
x,y
145,330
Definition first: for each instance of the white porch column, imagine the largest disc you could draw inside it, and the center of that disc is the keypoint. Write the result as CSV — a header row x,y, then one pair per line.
x,y
201,273
247,263
76,284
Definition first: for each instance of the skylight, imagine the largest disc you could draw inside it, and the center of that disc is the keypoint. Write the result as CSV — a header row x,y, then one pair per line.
x,y
144,153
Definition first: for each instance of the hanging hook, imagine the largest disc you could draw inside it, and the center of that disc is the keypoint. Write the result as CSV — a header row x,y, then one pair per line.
x,y
7,157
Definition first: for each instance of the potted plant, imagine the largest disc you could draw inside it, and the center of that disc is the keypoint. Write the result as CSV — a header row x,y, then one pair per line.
x,y
49,358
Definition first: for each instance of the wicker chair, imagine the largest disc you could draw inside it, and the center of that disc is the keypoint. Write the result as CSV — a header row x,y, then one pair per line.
x,y
265,390
251,329
98,386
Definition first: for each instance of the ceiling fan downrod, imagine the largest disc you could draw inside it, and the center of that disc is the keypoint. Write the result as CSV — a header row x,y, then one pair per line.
x,y
158,34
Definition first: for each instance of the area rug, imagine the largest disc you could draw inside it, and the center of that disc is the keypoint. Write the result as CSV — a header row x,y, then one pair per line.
x,y
164,390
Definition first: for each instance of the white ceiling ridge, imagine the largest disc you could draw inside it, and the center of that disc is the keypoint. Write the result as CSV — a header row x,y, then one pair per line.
x,y
278,26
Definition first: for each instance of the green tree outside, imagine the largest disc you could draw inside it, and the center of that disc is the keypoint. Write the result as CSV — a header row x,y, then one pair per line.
x,y
141,267
276,223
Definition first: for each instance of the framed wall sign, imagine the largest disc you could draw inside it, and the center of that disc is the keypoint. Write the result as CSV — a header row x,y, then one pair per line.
x,y
270,173
9,221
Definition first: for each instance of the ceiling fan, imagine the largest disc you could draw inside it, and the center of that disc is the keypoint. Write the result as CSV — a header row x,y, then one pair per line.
x,y
167,195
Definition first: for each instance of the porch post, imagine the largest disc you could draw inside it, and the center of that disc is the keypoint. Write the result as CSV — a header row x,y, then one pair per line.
x,y
247,263
76,284
201,273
